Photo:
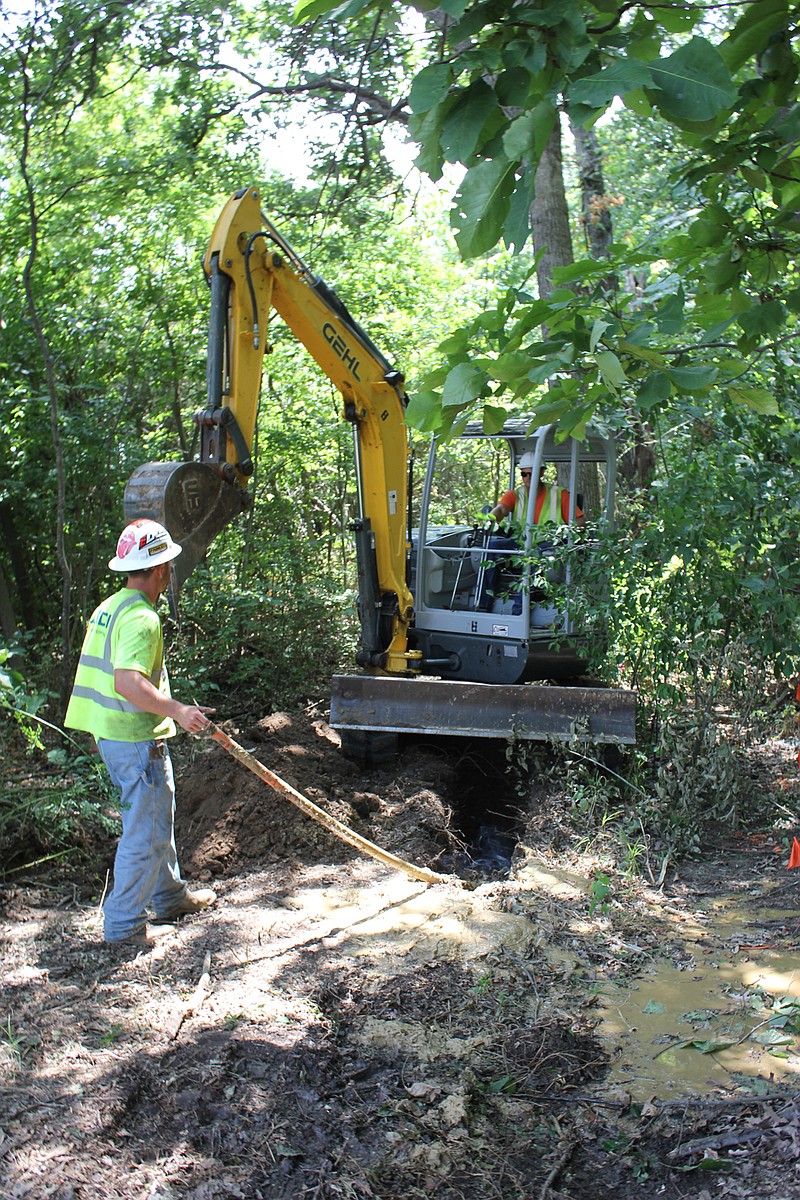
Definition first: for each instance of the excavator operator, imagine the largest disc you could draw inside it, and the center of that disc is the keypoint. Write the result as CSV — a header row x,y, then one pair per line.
x,y
551,506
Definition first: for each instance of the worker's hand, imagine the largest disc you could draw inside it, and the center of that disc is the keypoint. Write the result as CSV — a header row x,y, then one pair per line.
x,y
192,717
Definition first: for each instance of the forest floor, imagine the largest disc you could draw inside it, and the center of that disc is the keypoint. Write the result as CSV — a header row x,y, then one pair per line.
x,y
332,1030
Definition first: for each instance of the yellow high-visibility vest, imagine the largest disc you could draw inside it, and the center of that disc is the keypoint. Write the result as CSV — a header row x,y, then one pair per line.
x,y
124,633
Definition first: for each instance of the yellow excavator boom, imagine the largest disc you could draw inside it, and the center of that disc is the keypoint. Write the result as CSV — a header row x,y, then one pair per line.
x,y
251,271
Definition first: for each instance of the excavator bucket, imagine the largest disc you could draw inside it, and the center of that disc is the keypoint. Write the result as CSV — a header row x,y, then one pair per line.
x,y
191,500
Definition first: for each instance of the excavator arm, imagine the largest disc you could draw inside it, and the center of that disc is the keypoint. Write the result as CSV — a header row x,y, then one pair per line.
x,y
251,271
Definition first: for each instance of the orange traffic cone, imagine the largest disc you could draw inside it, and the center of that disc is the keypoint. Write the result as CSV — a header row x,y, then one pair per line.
x,y
794,856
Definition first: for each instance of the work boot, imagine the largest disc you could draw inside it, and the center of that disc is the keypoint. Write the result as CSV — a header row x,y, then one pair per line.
x,y
147,936
192,902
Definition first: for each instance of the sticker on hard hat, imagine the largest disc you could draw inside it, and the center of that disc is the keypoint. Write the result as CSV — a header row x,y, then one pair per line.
x,y
151,550
126,543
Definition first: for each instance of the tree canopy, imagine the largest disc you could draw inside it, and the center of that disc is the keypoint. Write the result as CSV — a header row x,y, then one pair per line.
x,y
123,127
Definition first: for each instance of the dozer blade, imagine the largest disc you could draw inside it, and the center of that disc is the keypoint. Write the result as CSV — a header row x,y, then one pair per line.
x,y
190,500
535,712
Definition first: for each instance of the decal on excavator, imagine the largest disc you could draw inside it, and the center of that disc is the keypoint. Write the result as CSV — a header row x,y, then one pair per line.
x,y
339,347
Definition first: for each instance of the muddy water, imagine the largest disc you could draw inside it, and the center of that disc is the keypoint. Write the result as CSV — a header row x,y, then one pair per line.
x,y
689,1025
686,1029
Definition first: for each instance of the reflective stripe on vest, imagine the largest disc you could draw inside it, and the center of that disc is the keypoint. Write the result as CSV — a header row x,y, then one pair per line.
x,y
556,514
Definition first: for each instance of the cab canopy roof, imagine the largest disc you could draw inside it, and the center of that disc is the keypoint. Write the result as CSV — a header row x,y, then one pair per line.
x,y
524,436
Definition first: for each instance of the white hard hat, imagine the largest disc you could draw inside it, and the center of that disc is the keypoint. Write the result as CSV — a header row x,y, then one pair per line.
x,y
527,460
143,544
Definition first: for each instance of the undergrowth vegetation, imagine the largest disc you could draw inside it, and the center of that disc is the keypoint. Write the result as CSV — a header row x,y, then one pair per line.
x,y
642,809
55,798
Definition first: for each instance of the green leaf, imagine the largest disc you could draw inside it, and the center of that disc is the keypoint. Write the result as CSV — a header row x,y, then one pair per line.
x,y
763,319
723,269
517,226
621,77
710,1164
710,1045
573,424
772,1037
306,9
509,366
526,53
598,329
692,379
463,385
461,128
644,353
655,390
482,204
759,399
716,308
611,370
494,418
430,86
639,103
584,268
752,31
669,315
654,1006
678,18
424,411
425,129
708,230
693,83
541,372
456,343
526,136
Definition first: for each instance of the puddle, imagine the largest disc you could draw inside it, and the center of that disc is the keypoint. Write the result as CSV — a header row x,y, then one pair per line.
x,y
734,1017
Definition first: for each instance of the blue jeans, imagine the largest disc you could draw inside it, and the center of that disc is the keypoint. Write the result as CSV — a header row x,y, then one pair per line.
x,y
146,872
495,565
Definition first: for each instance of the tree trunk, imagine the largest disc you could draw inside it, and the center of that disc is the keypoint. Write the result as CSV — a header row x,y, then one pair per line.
x,y
55,430
26,596
8,621
595,216
549,215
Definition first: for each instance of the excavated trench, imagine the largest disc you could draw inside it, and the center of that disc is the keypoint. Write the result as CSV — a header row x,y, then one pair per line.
x,y
486,818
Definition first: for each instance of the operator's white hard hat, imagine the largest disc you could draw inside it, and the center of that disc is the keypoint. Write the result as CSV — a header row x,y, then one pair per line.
x,y
527,460
142,544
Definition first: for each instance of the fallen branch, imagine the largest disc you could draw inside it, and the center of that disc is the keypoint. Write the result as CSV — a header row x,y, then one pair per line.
x,y
566,1150
337,828
722,1141
195,1001
770,1123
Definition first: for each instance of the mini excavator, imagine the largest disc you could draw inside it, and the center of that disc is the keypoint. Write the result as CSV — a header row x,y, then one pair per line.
x,y
437,653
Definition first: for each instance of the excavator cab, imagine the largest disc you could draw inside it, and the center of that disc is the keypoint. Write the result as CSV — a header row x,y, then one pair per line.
x,y
499,618
493,604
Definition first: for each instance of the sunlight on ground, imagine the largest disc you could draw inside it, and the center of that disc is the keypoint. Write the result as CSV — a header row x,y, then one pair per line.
x,y
412,919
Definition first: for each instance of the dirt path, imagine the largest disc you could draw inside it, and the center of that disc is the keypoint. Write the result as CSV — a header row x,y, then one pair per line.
x,y
334,1030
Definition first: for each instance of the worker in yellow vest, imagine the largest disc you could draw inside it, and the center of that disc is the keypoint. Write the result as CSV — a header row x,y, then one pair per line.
x,y
121,696
551,506
551,503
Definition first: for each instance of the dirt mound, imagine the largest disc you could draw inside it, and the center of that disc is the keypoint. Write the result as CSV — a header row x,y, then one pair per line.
x,y
228,817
